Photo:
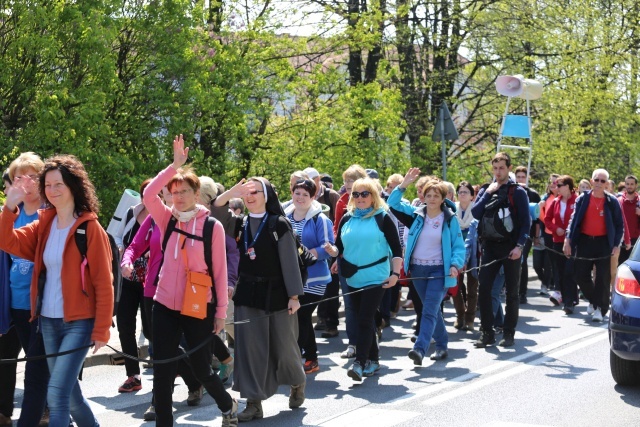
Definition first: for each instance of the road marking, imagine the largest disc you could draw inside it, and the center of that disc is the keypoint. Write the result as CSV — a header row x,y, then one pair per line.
x,y
498,366
378,417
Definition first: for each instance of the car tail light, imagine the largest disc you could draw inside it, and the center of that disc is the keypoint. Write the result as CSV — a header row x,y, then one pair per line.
x,y
626,283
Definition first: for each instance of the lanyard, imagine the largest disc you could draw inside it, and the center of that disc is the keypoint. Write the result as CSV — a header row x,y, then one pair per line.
x,y
246,233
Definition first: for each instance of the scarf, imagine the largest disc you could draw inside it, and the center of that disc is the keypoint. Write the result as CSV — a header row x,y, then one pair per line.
x,y
359,213
184,217
465,221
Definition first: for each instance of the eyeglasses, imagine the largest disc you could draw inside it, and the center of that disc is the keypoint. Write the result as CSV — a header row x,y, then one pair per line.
x,y
181,193
24,177
357,194
463,192
601,181
253,193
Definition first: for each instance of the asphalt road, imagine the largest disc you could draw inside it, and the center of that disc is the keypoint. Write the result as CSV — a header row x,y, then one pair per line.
x,y
557,374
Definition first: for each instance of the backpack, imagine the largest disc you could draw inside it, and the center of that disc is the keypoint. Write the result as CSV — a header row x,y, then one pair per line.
x,y
498,221
327,201
81,242
206,239
305,258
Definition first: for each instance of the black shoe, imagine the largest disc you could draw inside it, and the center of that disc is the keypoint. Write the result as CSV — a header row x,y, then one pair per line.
x,y
487,338
568,309
416,356
330,333
321,325
507,340
523,299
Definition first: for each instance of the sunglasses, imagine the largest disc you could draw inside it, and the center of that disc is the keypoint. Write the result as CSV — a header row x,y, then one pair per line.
x,y
357,194
601,181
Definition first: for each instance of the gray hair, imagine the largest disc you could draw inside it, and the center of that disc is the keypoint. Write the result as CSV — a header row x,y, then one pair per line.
x,y
600,171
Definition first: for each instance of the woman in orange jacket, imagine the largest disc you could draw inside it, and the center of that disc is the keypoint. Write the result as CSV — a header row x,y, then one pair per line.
x,y
72,296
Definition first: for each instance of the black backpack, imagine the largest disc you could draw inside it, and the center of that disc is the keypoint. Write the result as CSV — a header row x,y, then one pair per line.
x,y
81,243
499,221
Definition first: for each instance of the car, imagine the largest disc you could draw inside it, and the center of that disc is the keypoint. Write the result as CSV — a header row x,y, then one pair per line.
x,y
624,322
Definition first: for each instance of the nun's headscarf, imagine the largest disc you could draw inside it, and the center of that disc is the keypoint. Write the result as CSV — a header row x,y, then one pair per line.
x,y
273,205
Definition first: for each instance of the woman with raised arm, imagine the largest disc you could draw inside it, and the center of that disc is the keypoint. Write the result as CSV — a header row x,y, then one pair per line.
x,y
435,254
191,297
266,301
72,296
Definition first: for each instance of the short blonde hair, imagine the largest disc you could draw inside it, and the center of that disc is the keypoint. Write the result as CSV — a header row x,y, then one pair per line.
x,y
354,172
28,160
396,179
208,190
370,185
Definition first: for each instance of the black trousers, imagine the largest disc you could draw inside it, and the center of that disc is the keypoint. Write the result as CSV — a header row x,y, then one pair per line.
x,y
366,304
306,334
566,274
131,299
417,305
492,251
9,349
597,292
524,269
624,253
328,310
168,327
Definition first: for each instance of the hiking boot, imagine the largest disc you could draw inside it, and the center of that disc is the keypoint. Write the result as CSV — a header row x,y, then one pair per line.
x,y
226,369
507,339
355,371
131,384
296,397
150,414
311,366
195,396
253,411
370,368
487,338
231,419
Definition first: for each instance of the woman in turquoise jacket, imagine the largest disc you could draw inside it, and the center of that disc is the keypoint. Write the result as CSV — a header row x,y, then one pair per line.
x,y
435,248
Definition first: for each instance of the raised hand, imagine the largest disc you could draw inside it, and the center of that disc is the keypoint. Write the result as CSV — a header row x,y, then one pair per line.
x,y
180,154
411,175
15,195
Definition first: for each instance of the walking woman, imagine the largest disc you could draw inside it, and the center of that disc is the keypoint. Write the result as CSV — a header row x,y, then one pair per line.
x,y
73,299
435,248
366,238
185,269
556,220
266,299
315,231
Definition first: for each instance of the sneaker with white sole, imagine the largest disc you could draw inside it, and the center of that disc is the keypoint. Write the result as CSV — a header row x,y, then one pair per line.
x,y
555,297
597,316
590,309
349,353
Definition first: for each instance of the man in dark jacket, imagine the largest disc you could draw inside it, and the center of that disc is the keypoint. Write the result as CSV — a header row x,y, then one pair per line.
x,y
595,231
502,246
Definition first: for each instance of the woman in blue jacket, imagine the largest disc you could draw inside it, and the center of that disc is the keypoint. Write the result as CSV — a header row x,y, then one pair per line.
x,y
367,239
435,248
315,231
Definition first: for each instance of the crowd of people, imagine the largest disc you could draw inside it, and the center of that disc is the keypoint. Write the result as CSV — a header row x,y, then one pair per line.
x,y
246,268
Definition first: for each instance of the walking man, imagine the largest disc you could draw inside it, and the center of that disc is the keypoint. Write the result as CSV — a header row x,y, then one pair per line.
x,y
595,232
503,213
630,204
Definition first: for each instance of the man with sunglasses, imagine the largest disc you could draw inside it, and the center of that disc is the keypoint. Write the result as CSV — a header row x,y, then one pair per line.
x,y
595,232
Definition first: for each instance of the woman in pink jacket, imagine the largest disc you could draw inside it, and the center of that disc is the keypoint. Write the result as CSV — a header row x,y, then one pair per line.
x,y
184,256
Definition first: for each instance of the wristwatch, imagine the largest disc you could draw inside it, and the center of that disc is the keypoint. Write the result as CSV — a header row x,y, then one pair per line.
x,y
519,246
396,274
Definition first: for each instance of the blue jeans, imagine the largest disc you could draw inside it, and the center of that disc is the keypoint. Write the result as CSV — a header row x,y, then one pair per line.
x,y
64,395
431,293
350,315
498,312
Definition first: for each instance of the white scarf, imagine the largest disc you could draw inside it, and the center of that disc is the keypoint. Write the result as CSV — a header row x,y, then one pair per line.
x,y
465,222
184,217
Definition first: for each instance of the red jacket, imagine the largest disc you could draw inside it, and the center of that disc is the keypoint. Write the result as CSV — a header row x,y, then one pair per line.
x,y
341,209
553,220
28,242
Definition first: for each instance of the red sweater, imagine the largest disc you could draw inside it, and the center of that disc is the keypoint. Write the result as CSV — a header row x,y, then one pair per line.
x,y
629,213
553,220
341,209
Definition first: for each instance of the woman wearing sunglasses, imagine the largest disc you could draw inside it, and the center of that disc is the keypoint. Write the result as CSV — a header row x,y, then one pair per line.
x,y
435,252
266,301
367,246
556,220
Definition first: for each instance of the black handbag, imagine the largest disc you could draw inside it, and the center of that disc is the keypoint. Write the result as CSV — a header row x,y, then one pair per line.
x,y
348,269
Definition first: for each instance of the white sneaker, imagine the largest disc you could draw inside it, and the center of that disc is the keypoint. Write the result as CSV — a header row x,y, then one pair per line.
x,y
597,316
590,309
543,290
349,353
555,297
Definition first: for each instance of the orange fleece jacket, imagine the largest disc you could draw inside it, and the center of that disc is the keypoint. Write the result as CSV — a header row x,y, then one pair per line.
x,y
28,242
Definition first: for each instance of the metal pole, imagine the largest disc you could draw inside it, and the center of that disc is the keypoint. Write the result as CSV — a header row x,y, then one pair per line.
x,y
444,143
